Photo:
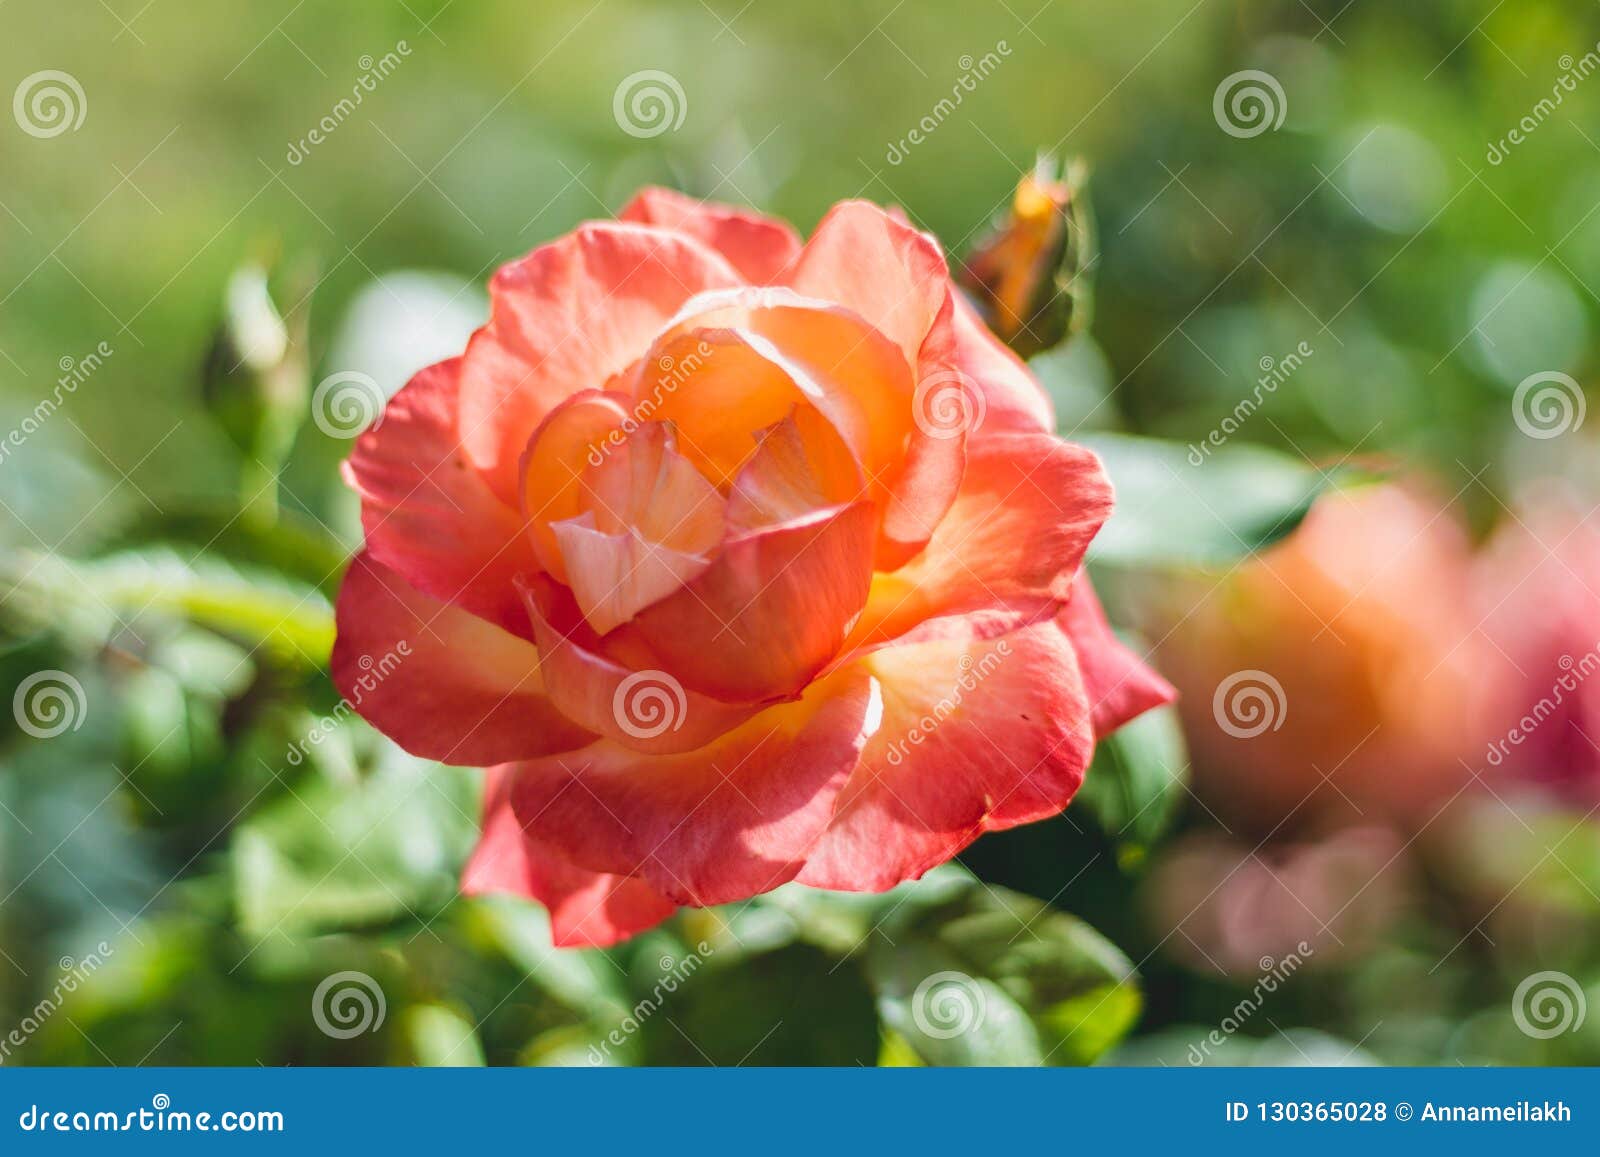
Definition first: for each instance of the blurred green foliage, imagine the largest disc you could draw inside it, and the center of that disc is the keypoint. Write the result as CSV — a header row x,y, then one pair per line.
x,y
228,879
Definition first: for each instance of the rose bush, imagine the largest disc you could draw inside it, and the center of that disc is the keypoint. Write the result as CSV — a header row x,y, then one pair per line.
x,y
738,561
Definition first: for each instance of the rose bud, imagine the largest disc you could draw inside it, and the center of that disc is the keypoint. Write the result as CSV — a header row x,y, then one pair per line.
x,y
1029,277
256,379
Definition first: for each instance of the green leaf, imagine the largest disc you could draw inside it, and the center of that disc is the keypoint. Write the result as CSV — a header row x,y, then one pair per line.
x,y
1195,505
843,922
441,1037
1137,781
1079,380
327,856
290,621
292,546
992,977
794,1006
520,930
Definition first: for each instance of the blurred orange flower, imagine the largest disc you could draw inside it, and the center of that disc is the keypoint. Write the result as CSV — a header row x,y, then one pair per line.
x,y
1340,676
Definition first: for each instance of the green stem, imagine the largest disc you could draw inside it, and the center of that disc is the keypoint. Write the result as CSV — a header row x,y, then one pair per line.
x,y
258,492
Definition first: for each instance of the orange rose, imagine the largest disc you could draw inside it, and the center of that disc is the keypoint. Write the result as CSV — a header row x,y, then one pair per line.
x,y
1339,677
743,561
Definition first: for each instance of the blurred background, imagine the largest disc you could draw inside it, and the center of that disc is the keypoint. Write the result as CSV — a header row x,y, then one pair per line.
x,y
1334,292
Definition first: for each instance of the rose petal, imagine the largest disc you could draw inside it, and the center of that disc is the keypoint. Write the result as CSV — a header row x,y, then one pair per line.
x,y
614,576
551,469
646,710
729,821
771,611
896,278
1006,552
740,360
882,269
977,735
1013,400
732,391
650,524
587,909
566,318
1119,684
646,485
759,247
801,465
440,682
427,512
